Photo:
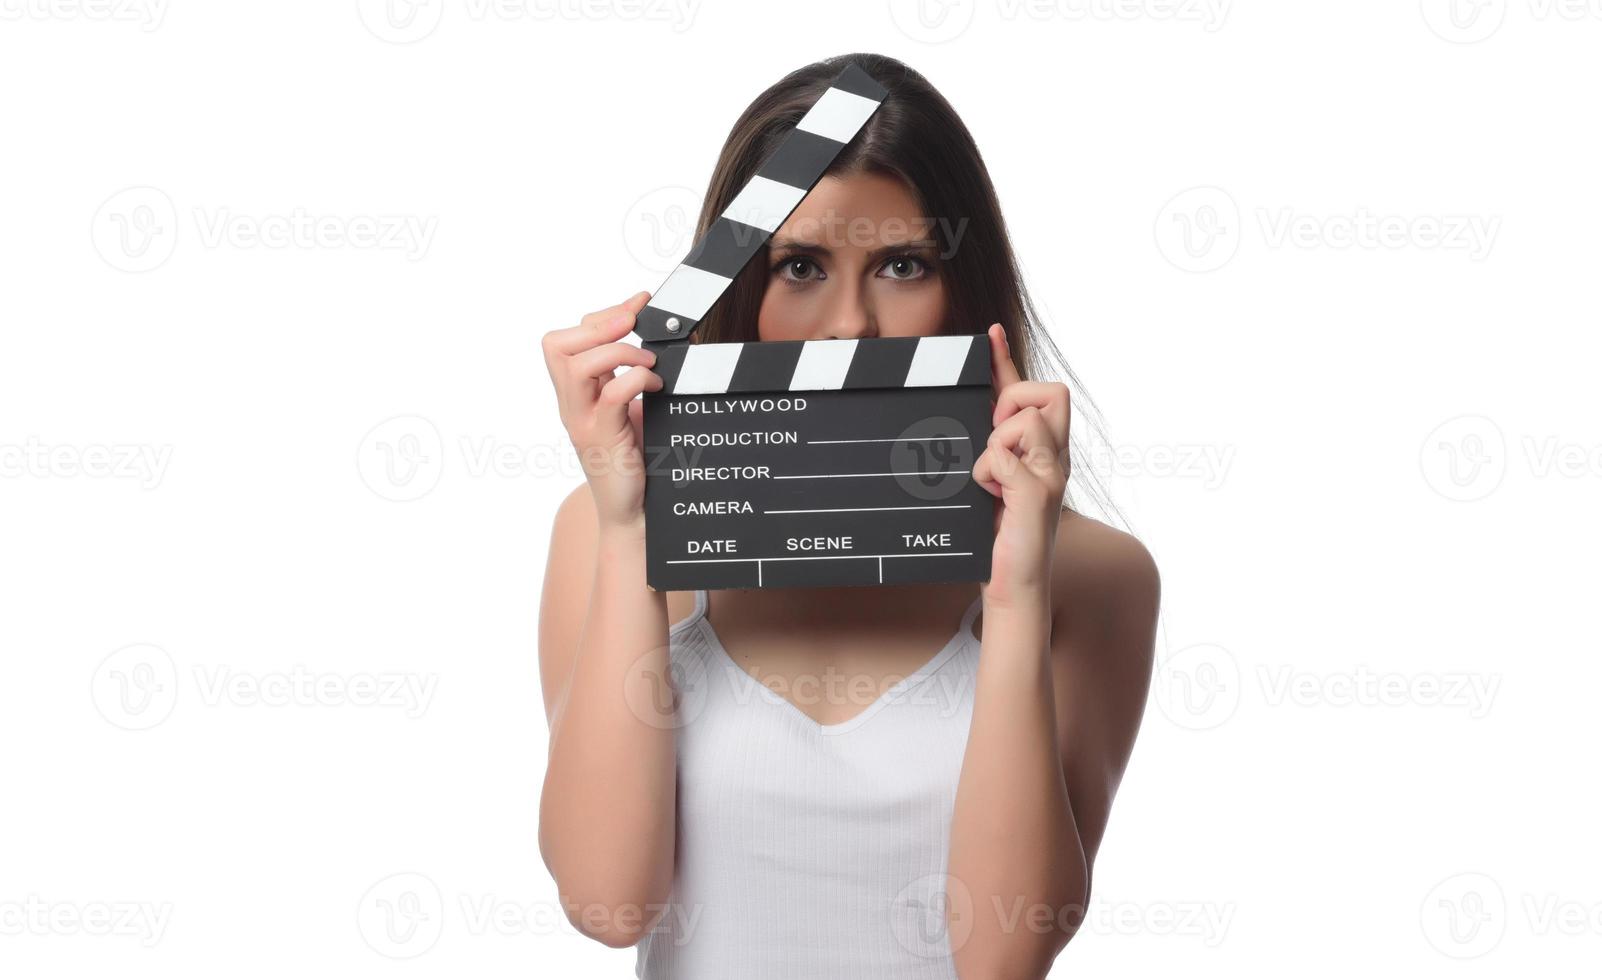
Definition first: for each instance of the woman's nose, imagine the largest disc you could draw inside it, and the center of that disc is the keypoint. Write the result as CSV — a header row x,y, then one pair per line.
x,y
850,315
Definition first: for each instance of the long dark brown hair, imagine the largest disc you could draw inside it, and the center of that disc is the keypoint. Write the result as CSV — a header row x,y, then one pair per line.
x,y
917,137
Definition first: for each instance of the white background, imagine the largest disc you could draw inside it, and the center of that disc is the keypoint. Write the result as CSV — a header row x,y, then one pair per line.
x,y
1350,387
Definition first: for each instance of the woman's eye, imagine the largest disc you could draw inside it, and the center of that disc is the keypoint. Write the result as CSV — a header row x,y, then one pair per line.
x,y
798,269
905,267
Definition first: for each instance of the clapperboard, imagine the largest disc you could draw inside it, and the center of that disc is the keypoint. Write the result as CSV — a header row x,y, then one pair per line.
x,y
788,464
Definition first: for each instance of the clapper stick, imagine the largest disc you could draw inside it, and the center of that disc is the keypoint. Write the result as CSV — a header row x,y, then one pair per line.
x,y
816,462
762,205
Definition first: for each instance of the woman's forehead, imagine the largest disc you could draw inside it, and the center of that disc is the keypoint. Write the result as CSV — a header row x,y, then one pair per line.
x,y
860,210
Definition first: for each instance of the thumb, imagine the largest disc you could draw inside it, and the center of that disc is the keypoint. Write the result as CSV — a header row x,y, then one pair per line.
x,y
1003,370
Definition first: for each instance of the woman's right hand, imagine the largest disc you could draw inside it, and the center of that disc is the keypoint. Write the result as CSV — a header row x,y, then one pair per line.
x,y
600,411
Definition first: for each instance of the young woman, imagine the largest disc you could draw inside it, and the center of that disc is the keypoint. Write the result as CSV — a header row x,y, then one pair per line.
x,y
889,782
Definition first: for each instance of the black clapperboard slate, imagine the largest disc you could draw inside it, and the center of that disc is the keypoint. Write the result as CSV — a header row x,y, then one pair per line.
x,y
786,464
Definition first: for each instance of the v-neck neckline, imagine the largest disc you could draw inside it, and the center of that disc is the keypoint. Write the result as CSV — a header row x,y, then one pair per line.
x,y
963,635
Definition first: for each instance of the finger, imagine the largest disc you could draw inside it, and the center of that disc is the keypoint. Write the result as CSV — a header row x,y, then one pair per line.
x,y
612,408
999,466
983,476
1002,473
617,393
1028,437
1021,454
1003,371
633,304
589,371
637,420
578,378
1050,397
596,328
572,340
602,361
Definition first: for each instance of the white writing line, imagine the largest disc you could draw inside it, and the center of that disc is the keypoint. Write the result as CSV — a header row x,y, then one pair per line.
x,y
829,442
832,476
910,554
843,510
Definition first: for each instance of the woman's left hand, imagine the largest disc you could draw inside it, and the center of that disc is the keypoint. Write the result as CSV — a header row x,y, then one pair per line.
x,y
1025,463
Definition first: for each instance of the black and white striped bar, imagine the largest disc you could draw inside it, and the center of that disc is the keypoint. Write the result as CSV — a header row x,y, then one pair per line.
x,y
824,365
761,206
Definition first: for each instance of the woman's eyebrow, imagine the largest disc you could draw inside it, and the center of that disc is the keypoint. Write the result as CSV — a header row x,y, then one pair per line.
x,y
794,244
916,245
783,243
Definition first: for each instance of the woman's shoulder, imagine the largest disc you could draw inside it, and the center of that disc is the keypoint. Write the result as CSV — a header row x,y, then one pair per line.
x,y
1099,571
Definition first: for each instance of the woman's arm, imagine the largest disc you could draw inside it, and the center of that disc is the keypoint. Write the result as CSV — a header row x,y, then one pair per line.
x,y
1016,859
1069,618
607,808
1058,702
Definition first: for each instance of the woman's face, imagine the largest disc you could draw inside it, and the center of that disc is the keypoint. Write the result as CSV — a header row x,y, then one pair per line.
x,y
855,259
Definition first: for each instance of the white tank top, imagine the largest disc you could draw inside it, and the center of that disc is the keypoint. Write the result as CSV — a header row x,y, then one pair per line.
x,y
808,850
